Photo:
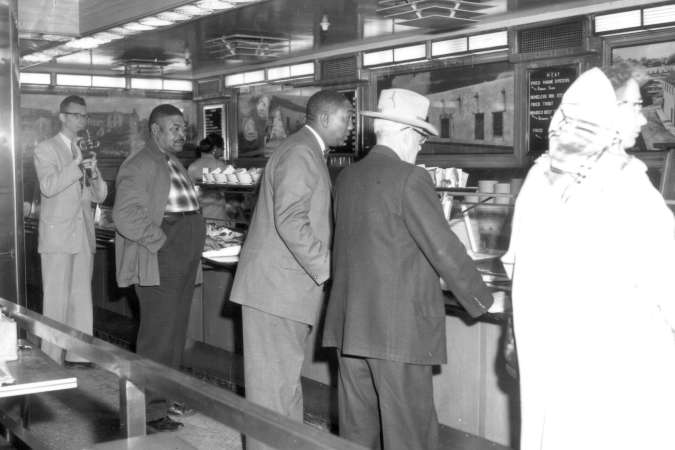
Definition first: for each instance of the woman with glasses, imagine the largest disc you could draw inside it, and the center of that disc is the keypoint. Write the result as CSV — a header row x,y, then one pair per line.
x,y
592,250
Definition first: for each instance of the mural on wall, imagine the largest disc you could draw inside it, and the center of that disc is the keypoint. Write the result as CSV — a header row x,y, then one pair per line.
x,y
267,118
658,93
470,106
119,123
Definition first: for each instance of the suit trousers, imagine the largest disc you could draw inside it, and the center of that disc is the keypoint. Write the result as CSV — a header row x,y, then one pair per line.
x,y
165,309
66,286
274,350
386,404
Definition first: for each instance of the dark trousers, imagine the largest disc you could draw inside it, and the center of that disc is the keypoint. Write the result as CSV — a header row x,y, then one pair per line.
x,y
386,405
165,309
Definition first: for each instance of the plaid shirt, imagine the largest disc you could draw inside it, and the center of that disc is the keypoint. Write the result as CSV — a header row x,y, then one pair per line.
x,y
182,195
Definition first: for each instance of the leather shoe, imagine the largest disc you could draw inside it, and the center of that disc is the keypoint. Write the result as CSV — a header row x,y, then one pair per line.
x,y
77,365
165,423
180,409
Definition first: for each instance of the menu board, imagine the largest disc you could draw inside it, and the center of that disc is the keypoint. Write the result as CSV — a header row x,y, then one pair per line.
x,y
213,116
546,88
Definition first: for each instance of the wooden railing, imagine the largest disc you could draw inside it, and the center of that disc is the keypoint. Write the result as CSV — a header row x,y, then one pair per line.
x,y
136,374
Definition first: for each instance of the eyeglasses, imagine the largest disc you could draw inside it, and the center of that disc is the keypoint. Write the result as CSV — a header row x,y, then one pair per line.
x,y
637,106
423,136
77,115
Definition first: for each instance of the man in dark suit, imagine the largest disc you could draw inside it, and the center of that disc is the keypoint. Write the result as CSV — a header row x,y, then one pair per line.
x,y
66,238
158,246
285,259
386,312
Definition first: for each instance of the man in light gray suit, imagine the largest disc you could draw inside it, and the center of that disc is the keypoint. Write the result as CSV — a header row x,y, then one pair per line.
x,y
66,240
285,259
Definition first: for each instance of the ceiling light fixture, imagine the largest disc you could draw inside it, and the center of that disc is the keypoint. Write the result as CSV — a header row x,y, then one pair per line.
x,y
248,46
193,10
155,22
83,43
164,19
215,5
439,14
137,27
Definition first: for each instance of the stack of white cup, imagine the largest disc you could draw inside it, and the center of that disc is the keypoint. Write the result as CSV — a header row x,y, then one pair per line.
x,y
487,187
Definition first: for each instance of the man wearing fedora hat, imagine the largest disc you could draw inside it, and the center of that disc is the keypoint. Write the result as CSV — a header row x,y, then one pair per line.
x,y
386,312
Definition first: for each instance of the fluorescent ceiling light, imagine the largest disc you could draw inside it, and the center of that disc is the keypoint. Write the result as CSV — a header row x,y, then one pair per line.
x,y
146,83
137,27
177,85
277,73
658,15
618,21
108,82
122,31
84,43
302,69
64,79
255,76
86,58
410,52
172,16
215,5
488,40
234,79
192,10
34,78
450,46
155,22
38,57
378,57
105,37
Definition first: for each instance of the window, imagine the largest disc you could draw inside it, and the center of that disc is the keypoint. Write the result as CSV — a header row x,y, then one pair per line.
x,y
498,124
479,126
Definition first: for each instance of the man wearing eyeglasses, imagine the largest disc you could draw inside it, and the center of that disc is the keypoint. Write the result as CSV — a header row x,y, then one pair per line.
x,y
66,239
386,313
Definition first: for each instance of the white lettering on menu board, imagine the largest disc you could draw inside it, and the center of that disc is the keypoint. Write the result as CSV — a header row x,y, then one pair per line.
x,y
546,87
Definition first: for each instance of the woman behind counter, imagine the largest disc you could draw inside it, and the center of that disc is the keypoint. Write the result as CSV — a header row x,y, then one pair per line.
x,y
593,301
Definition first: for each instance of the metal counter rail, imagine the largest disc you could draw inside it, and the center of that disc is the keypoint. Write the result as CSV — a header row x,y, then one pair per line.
x,y
136,374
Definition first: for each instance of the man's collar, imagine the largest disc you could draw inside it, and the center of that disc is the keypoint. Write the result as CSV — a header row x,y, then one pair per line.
x,y
322,144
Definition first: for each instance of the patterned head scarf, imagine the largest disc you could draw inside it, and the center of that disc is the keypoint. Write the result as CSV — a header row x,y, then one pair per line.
x,y
583,129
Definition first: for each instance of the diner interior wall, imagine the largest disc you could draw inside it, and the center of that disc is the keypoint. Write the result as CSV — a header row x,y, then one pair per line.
x,y
118,121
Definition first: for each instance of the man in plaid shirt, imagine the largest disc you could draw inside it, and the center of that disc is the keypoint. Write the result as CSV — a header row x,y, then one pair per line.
x,y
160,237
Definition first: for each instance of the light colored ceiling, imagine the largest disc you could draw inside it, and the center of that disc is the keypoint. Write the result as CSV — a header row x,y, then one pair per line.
x,y
351,22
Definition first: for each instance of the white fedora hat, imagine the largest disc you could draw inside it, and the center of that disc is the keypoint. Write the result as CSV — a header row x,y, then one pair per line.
x,y
403,106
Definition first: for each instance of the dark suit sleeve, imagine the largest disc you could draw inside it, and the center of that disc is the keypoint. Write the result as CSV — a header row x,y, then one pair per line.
x,y
130,212
423,215
295,180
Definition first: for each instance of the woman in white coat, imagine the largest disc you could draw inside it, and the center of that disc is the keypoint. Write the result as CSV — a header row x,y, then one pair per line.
x,y
592,249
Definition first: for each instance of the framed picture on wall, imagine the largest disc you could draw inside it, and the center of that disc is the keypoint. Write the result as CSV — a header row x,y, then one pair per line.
x,y
267,118
656,52
471,106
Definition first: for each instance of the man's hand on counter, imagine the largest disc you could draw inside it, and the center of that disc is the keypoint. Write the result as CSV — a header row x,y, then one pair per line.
x,y
499,304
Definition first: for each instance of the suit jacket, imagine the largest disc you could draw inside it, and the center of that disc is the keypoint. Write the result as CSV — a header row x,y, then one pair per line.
x,y
391,244
142,189
285,258
65,206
